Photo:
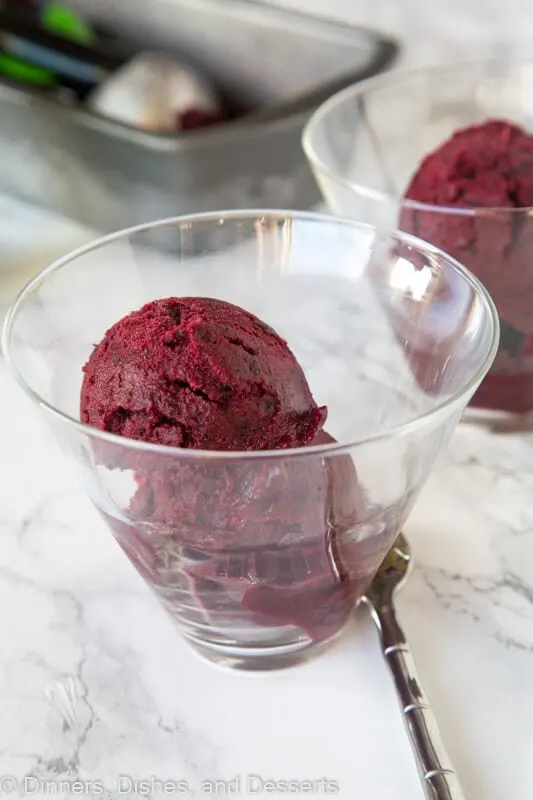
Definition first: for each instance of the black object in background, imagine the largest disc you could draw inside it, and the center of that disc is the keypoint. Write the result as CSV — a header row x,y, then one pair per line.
x,y
78,67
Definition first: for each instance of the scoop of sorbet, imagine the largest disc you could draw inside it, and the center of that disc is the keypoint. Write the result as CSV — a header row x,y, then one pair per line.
x,y
270,541
196,372
487,169
487,166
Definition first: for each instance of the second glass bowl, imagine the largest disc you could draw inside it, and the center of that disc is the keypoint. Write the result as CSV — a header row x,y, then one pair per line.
x,y
366,143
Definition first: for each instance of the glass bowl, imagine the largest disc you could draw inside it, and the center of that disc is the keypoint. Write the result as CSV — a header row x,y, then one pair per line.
x,y
260,557
366,143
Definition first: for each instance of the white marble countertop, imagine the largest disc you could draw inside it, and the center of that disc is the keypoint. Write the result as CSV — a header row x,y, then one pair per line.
x,y
94,682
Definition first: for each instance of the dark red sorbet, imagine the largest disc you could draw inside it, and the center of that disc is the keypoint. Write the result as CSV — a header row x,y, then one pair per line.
x,y
274,544
270,541
200,373
195,118
487,168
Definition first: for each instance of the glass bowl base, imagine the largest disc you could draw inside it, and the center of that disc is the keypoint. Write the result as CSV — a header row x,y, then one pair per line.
x,y
238,657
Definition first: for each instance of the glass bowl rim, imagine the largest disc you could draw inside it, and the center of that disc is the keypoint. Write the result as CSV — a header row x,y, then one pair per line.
x,y
219,217
387,80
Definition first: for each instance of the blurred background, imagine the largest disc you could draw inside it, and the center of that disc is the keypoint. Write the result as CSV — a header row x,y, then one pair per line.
x,y
113,114
434,32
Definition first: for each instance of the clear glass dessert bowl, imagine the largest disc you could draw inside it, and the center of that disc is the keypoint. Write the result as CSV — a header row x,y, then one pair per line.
x,y
366,143
260,556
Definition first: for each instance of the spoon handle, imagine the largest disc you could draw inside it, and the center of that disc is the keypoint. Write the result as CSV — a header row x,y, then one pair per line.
x,y
438,777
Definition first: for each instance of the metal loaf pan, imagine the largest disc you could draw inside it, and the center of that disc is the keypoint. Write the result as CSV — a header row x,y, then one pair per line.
x,y
276,64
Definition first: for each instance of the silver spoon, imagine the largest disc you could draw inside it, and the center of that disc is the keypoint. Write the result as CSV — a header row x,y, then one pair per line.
x,y
438,777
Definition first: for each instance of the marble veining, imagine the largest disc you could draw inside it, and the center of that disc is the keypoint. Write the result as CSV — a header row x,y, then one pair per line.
x,y
94,682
